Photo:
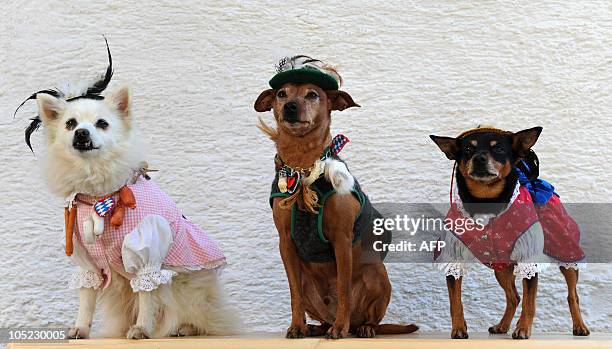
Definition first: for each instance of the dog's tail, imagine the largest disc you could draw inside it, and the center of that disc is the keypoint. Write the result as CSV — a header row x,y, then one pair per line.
x,y
396,329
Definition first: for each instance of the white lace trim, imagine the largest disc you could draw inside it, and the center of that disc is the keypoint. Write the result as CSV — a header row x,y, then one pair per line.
x,y
575,266
521,270
526,270
150,277
455,270
218,264
85,279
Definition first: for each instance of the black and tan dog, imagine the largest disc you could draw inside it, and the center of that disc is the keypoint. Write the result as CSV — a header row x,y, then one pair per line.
x,y
322,216
497,178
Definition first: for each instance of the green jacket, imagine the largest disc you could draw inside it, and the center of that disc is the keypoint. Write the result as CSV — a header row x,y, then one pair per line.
x,y
307,228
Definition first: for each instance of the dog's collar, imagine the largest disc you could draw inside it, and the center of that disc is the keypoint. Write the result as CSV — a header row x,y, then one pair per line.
x,y
290,177
91,200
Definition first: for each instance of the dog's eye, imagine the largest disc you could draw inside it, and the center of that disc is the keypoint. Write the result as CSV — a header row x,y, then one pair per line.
x,y
281,94
102,124
71,124
469,149
312,95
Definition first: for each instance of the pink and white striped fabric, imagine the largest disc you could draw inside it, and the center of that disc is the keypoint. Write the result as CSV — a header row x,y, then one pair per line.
x,y
191,247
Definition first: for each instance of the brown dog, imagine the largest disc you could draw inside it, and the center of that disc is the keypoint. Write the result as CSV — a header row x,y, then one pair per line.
x,y
497,173
343,294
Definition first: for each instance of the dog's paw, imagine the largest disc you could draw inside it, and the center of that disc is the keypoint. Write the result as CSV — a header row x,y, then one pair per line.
x,y
137,332
366,331
521,333
294,332
581,330
459,333
78,333
187,330
498,329
336,332
339,176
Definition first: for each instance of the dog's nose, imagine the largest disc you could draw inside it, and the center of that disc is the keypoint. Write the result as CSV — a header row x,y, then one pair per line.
x,y
291,111
291,107
81,133
480,159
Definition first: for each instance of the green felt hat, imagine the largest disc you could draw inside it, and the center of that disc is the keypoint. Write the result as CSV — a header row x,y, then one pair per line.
x,y
304,69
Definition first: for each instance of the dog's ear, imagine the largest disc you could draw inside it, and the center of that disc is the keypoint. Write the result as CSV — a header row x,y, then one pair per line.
x,y
340,100
121,100
523,140
448,145
49,107
265,100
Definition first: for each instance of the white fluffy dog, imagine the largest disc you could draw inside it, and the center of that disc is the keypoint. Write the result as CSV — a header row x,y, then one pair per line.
x,y
155,274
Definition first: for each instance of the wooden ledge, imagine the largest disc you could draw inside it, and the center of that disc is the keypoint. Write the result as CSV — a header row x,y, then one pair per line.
x,y
268,341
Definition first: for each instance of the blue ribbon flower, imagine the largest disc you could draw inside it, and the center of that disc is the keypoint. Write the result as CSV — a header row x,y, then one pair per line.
x,y
541,191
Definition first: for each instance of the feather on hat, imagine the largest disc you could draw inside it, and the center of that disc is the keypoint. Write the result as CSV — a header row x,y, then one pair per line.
x,y
305,69
91,92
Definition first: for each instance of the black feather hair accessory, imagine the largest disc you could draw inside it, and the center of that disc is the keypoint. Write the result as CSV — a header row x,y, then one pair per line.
x,y
92,92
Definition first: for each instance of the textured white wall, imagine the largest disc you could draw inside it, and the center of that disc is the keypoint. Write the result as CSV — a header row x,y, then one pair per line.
x,y
416,68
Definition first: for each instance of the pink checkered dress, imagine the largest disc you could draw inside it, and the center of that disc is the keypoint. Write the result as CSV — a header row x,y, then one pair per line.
x,y
191,248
